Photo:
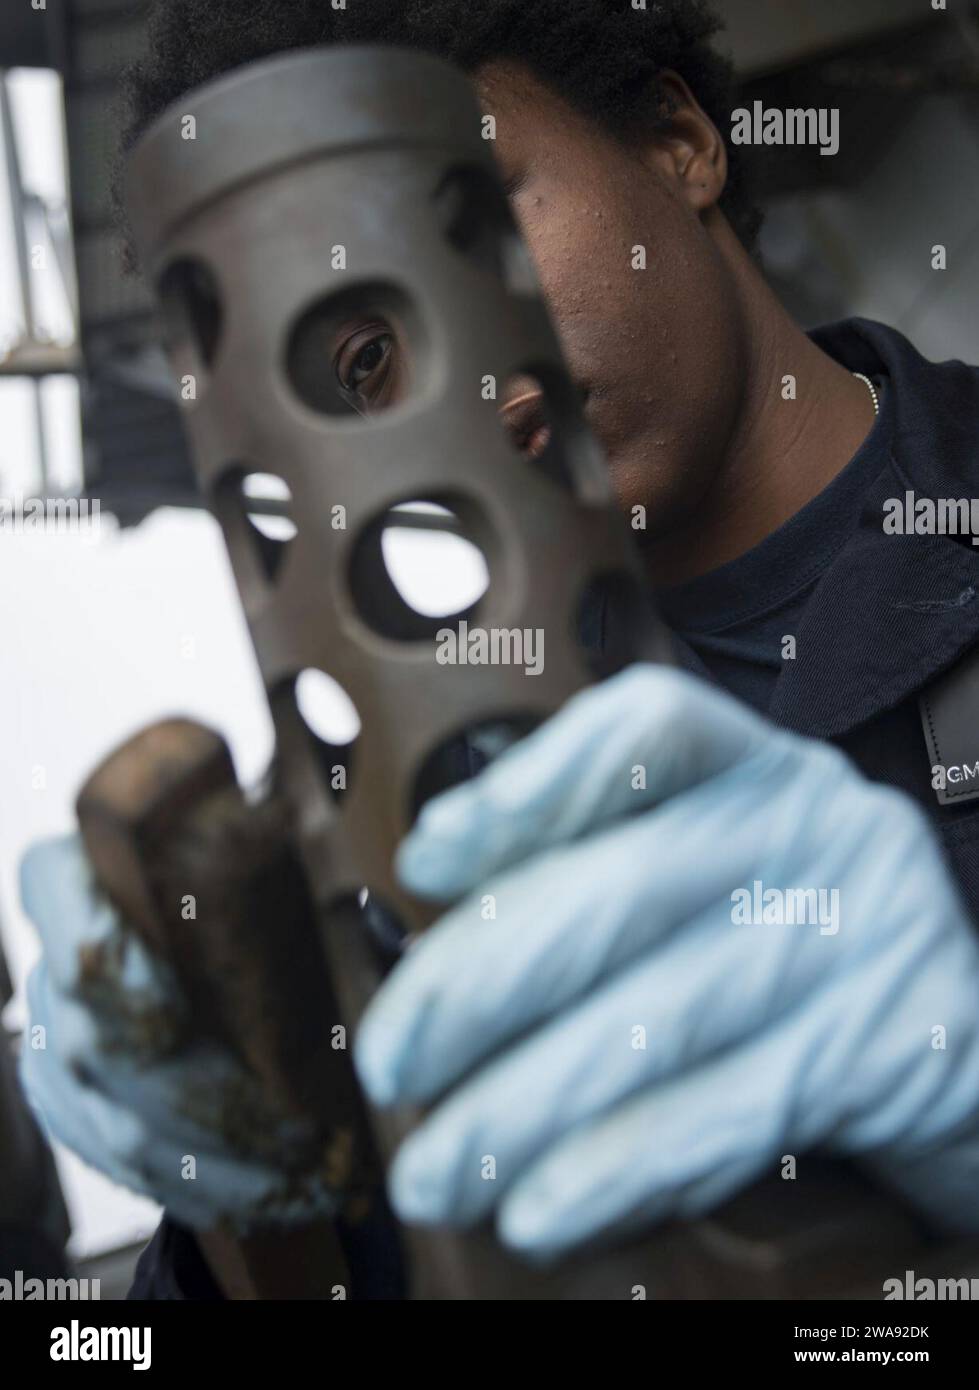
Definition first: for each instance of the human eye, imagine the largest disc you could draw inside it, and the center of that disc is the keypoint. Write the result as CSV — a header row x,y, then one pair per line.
x,y
363,363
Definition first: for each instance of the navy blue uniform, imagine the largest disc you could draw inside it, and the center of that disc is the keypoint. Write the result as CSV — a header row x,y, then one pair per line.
x,y
876,618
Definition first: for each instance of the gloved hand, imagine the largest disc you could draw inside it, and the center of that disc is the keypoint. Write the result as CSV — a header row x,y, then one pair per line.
x,y
122,1080
618,1039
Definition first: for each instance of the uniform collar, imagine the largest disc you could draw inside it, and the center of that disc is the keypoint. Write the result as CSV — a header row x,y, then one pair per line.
x,y
891,612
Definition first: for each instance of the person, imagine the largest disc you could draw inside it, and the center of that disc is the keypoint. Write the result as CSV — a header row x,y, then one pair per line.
x,y
33,1217
733,922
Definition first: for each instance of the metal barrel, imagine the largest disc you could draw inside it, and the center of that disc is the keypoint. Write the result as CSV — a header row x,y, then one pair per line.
x,y
270,208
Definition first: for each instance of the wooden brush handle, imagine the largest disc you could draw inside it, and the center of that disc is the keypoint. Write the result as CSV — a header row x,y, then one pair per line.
x,y
166,825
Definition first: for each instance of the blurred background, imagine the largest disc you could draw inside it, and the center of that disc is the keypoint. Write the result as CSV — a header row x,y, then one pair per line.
x,y
107,630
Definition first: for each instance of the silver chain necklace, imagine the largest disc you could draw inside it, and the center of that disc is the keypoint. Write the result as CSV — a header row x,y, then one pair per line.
x,y
872,389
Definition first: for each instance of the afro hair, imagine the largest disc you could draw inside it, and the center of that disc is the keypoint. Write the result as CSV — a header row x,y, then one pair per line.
x,y
605,57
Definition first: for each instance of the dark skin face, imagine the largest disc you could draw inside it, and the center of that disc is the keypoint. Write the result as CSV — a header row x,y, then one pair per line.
x,y
682,363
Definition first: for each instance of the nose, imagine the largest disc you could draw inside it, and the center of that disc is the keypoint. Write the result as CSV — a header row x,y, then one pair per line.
x,y
519,391
524,416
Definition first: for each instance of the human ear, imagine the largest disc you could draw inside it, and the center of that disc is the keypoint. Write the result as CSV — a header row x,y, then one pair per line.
x,y
690,151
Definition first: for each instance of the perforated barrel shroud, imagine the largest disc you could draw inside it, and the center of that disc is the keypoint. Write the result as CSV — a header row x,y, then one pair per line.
x,y
378,152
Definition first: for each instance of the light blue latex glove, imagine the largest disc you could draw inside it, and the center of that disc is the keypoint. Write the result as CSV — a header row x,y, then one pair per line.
x,y
121,1078
613,913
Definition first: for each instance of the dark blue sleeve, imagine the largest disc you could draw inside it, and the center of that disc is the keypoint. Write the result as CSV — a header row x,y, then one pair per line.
x,y
27,1250
172,1266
